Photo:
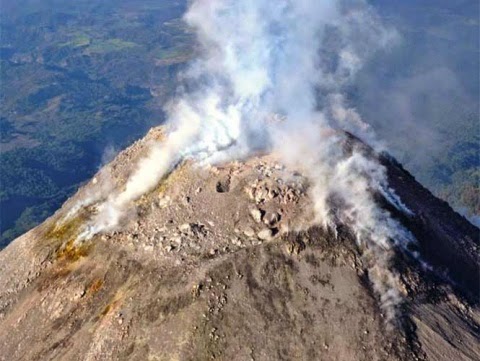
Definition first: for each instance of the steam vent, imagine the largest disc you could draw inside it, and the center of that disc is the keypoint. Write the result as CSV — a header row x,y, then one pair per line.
x,y
228,262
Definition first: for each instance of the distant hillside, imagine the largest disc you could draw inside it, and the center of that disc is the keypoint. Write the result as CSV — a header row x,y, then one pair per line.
x,y
79,81
422,96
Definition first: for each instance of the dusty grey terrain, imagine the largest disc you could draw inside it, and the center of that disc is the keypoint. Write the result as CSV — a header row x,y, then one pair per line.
x,y
226,263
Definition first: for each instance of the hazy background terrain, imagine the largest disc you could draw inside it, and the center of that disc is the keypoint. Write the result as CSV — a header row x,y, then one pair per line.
x,y
423,97
81,80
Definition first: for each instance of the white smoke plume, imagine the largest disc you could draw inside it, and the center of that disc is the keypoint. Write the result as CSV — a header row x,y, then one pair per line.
x,y
290,59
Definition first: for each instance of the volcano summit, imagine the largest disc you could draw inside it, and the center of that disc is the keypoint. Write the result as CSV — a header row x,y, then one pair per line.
x,y
228,262
264,221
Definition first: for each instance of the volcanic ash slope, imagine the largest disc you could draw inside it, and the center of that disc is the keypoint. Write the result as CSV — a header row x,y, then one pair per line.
x,y
226,263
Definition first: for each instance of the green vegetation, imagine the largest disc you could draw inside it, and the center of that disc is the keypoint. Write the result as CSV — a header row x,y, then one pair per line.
x,y
422,96
77,77
170,53
110,45
78,41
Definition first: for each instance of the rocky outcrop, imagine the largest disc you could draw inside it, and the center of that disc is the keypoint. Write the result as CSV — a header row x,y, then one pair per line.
x,y
226,263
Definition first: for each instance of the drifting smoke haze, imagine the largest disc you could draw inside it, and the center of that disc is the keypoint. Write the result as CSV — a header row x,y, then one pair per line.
x,y
270,78
422,97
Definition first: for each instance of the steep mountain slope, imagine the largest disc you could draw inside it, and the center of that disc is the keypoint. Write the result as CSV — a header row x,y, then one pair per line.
x,y
225,263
